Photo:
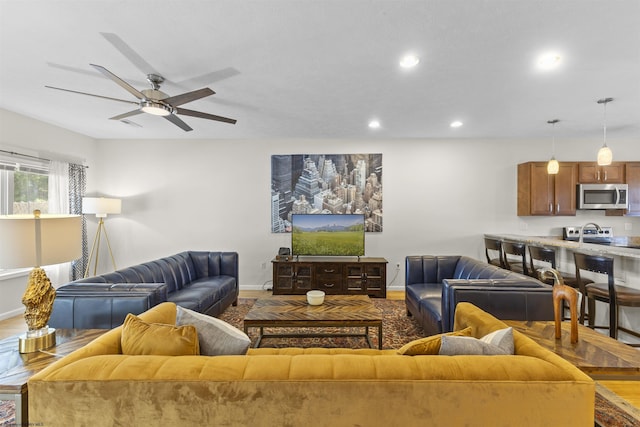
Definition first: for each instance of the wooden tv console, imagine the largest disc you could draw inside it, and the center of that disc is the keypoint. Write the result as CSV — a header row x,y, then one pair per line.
x,y
338,276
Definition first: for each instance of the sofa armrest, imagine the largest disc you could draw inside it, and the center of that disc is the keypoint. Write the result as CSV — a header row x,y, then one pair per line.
x,y
103,305
506,299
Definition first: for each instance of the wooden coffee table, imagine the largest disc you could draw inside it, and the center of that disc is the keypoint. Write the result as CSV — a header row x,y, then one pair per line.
x,y
17,368
293,311
595,354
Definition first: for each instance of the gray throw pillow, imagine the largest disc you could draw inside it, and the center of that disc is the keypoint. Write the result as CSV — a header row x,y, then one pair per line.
x,y
216,336
497,342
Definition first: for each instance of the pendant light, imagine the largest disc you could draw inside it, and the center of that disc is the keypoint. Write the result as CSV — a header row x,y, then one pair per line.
x,y
605,156
553,166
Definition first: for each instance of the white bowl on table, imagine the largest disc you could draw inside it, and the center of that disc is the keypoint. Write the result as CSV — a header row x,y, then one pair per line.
x,y
315,297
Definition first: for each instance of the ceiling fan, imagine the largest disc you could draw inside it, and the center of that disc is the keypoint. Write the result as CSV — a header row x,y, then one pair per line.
x,y
155,102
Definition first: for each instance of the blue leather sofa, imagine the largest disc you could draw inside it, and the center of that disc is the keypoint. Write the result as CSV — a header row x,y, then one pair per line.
x,y
206,282
434,285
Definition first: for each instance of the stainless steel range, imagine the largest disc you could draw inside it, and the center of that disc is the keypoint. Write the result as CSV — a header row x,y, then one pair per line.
x,y
590,234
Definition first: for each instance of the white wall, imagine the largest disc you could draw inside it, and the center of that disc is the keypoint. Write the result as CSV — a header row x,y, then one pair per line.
x,y
440,197
32,137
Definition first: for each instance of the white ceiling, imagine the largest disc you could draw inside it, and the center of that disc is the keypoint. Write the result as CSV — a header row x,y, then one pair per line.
x,y
324,68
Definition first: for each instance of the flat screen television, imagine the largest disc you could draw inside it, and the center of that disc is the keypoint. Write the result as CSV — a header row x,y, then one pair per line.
x,y
327,234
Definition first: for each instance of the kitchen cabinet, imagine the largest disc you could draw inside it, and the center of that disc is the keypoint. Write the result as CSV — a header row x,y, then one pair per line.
x,y
542,194
592,173
633,180
367,276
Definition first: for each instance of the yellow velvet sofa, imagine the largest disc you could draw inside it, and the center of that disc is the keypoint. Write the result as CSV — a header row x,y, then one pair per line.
x,y
98,386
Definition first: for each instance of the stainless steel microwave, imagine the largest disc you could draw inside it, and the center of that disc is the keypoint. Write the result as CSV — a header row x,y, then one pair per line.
x,y
603,196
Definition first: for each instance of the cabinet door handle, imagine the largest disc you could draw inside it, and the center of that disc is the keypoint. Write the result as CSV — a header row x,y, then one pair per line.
x,y
598,176
329,285
558,208
605,175
550,207
329,271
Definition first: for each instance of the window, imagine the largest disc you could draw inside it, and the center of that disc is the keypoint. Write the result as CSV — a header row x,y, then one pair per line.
x,y
24,186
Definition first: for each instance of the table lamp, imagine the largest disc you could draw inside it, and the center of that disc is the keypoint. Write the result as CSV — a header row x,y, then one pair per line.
x,y
101,207
33,241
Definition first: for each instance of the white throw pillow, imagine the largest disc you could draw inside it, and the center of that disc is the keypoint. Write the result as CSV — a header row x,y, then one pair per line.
x,y
216,336
495,343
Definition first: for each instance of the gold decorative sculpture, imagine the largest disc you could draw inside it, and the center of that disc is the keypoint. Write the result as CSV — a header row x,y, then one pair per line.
x,y
38,299
33,241
561,293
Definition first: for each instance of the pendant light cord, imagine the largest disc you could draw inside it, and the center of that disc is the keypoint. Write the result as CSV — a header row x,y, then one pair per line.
x,y
604,127
604,101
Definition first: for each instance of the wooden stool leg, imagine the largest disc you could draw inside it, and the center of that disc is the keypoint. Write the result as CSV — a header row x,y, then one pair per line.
x,y
560,294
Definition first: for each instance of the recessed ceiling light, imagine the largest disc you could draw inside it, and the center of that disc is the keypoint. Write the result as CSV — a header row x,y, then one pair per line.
x,y
374,124
409,61
549,61
456,124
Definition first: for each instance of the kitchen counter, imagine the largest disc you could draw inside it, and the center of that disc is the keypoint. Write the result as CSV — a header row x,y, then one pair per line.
x,y
619,247
626,269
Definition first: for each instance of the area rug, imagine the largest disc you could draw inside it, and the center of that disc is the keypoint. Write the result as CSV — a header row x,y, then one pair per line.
x,y
397,329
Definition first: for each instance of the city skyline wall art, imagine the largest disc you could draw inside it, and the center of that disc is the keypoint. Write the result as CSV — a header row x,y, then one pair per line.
x,y
326,183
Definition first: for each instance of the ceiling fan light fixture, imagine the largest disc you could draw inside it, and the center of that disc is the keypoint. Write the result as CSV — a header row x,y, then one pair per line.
x,y
156,108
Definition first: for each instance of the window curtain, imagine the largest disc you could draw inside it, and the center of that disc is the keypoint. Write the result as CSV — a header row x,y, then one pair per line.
x,y
77,187
58,187
67,182
59,204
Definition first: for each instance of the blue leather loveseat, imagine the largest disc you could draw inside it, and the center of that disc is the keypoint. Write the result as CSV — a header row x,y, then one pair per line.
x,y
206,282
434,285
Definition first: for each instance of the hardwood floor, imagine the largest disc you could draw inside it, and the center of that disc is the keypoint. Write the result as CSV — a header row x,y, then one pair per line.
x,y
628,390
12,326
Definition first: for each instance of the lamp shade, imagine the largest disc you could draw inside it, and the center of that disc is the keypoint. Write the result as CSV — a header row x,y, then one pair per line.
x,y
553,167
605,156
28,241
101,206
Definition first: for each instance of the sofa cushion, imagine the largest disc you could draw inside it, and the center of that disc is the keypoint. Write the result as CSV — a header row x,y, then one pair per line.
x,y
498,342
215,336
430,345
142,338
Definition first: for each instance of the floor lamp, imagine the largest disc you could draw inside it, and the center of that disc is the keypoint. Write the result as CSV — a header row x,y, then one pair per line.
x,y
101,207
33,241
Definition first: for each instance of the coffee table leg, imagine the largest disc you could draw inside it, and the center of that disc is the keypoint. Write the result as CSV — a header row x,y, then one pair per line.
x,y
260,335
380,337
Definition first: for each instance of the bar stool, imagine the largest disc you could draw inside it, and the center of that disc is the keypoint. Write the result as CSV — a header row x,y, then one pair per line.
x,y
545,256
494,245
518,253
609,292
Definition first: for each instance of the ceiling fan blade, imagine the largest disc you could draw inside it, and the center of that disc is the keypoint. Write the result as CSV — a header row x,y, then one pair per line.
x,y
129,53
205,115
90,94
130,123
208,78
188,97
178,122
125,115
133,91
